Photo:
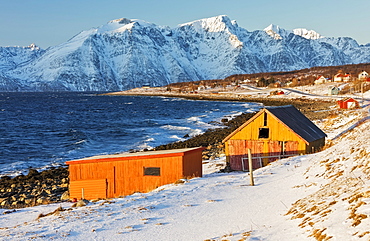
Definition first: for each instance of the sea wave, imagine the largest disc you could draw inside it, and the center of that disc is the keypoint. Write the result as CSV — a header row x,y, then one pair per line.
x,y
176,128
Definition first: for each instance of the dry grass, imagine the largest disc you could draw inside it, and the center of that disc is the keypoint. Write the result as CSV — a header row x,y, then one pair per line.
x,y
180,181
319,235
56,211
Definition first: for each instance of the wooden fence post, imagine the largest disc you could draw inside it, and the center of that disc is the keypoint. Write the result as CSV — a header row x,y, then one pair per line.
x,y
250,167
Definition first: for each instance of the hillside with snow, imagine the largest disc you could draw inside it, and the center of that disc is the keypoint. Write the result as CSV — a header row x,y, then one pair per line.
x,y
321,196
124,54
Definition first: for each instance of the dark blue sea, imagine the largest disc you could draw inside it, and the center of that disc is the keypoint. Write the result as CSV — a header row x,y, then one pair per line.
x,y
41,130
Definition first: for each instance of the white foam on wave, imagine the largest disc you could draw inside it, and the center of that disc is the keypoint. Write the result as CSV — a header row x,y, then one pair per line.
x,y
194,118
252,107
177,138
169,99
79,142
176,128
22,168
145,146
195,132
199,123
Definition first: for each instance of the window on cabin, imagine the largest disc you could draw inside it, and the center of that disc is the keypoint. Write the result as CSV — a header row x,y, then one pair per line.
x,y
152,171
263,133
265,119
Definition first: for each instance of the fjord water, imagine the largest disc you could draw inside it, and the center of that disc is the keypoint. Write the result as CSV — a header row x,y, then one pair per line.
x,y
40,130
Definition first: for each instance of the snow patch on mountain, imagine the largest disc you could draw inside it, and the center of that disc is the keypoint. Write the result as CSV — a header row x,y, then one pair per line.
x,y
278,33
274,31
308,34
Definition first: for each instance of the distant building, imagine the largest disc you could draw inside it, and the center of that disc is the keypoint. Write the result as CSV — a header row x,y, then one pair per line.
x,y
277,84
348,103
363,75
333,90
340,77
320,80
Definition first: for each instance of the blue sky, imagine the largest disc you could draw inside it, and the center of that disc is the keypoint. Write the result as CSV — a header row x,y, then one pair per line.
x,y
51,22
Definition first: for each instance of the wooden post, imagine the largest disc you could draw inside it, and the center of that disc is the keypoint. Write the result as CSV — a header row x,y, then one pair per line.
x,y
250,167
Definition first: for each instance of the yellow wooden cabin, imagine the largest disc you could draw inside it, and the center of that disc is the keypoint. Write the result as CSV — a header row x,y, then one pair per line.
x,y
271,134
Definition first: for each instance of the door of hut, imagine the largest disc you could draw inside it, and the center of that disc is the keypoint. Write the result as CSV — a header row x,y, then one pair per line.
x,y
351,105
237,152
281,149
275,150
291,148
257,152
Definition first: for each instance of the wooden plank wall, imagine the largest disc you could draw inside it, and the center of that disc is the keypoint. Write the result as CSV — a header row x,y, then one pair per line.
x,y
192,164
88,189
127,176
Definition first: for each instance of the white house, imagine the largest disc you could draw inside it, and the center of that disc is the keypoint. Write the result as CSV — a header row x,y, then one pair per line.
x,y
363,75
320,80
342,77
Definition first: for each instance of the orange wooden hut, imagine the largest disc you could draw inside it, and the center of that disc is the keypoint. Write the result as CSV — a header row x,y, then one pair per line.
x,y
271,134
110,176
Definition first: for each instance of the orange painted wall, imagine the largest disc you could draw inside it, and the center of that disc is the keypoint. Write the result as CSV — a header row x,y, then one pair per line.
x,y
125,177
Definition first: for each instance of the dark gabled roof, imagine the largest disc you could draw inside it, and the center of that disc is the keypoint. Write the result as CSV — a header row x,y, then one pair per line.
x,y
292,118
297,122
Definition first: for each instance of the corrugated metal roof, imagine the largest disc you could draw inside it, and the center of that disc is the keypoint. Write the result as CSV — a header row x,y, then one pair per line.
x,y
297,122
289,116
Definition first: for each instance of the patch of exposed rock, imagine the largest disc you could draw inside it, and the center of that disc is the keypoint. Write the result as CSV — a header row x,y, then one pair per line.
x,y
35,188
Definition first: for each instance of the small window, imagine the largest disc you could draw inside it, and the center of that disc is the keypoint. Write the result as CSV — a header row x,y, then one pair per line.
x,y
152,171
263,133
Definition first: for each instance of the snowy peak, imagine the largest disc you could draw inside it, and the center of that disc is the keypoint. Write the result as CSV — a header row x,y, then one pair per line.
x,y
121,21
278,33
214,24
274,31
308,34
122,24
33,47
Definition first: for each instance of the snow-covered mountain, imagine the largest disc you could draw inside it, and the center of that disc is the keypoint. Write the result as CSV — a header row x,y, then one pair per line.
x,y
125,53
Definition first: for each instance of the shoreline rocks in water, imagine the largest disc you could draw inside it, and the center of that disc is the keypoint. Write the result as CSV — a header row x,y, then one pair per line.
x,y
51,186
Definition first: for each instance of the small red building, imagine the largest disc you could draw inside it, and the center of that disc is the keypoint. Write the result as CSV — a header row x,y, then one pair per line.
x,y
110,176
348,103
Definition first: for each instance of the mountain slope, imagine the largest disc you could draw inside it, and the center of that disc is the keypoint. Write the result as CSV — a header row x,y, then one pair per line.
x,y
125,53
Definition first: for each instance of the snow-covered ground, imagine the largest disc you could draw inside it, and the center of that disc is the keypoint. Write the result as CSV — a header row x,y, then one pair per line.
x,y
309,197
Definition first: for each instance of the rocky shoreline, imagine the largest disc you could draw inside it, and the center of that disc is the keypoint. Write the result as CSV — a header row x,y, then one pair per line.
x,y
51,186
35,188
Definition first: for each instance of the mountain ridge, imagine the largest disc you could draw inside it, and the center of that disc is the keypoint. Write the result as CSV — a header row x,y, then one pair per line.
x,y
127,53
